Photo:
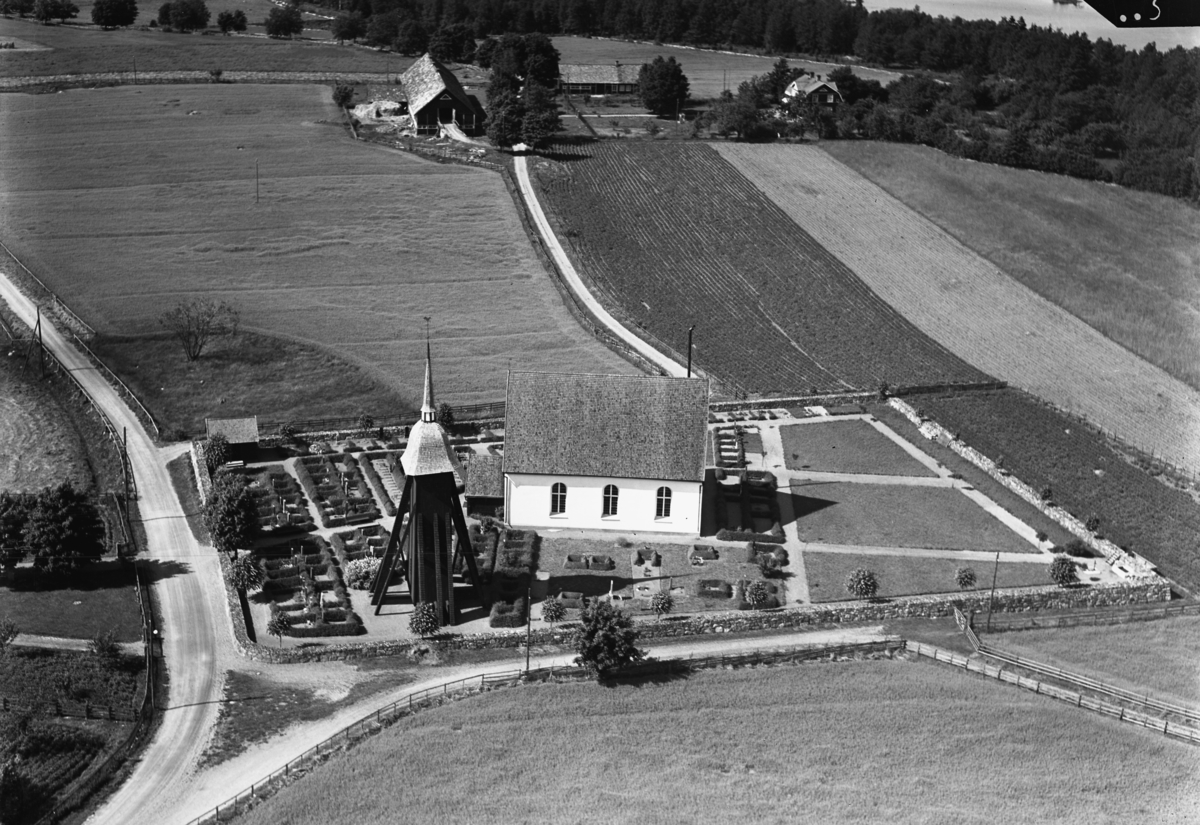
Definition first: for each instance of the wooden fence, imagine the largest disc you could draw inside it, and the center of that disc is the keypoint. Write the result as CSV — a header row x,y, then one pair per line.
x,y
1152,612
55,301
489,411
1078,698
438,694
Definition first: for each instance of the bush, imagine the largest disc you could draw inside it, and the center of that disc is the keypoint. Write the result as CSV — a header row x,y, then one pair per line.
x,y
554,610
1077,548
359,574
1093,523
964,577
862,584
424,620
756,593
508,614
1063,572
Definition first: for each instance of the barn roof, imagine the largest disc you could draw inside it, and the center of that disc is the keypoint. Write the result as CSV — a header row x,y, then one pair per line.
x,y
585,73
806,87
426,80
235,430
485,476
614,426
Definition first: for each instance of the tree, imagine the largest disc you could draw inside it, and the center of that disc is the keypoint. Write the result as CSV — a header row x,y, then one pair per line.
x,y
731,115
663,86
195,323
964,577
424,619
757,593
109,14
18,7
382,29
19,797
278,627
541,119
607,641
63,529
445,415
662,603
9,631
14,514
349,26
862,584
1063,572
231,514
46,10
164,14
244,573
284,21
188,15
411,38
231,21
216,452
506,115
104,646
453,44
343,94
553,610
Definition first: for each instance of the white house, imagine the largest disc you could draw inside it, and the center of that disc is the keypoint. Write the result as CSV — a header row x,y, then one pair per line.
x,y
605,452
813,90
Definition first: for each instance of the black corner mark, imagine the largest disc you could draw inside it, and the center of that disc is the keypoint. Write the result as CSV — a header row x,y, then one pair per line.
x,y
1148,14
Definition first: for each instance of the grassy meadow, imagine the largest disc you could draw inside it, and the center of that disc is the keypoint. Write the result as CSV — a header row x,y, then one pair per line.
x,y
1123,261
846,447
1158,656
856,742
99,598
707,71
901,575
129,200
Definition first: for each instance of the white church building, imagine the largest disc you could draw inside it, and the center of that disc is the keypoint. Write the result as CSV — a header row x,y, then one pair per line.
x,y
605,452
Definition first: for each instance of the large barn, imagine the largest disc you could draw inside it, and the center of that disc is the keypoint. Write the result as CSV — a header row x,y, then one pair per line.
x,y
607,452
434,97
598,79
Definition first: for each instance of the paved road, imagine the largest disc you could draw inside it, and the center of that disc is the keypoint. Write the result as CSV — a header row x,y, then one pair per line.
x,y
185,588
669,365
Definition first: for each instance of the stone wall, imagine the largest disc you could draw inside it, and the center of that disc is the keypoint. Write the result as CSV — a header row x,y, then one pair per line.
x,y
200,468
1131,565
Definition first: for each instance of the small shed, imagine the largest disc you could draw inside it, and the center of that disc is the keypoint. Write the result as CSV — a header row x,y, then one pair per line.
x,y
485,485
598,79
436,97
241,433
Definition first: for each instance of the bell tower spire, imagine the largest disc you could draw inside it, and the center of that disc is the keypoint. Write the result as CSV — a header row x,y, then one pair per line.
x,y
428,410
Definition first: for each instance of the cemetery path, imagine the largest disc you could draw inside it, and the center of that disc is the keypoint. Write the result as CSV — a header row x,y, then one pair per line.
x,y
197,641
575,283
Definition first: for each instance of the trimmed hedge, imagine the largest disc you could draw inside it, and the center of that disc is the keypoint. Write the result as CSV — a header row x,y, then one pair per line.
x,y
704,551
735,535
376,484
508,614
575,563
601,563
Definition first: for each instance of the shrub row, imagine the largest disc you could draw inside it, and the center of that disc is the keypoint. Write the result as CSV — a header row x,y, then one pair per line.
x,y
508,614
376,484
742,535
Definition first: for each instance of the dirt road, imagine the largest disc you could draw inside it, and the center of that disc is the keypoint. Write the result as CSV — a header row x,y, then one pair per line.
x,y
196,636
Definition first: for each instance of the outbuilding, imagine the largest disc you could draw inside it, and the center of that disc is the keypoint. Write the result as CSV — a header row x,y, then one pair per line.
x,y
608,452
598,79
435,97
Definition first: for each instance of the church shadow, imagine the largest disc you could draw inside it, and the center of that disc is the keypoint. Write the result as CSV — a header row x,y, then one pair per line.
x,y
807,505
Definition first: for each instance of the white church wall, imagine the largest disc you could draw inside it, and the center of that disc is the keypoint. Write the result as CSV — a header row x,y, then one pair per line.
x,y
527,504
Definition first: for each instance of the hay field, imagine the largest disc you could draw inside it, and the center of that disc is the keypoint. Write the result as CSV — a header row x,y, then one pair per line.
x,y
707,71
971,306
1126,262
853,742
129,200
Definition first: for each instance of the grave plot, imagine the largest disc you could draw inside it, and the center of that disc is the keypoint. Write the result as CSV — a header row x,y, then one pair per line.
x,y
748,509
358,553
516,560
303,584
383,473
727,448
282,505
337,486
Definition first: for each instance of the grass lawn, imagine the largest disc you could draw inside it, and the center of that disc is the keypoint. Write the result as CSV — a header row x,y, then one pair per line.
x,y
676,573
1159,656
91,601
707,71
349,246
183,478
1121,260
884,515
855,742
907,576
39,443
846,447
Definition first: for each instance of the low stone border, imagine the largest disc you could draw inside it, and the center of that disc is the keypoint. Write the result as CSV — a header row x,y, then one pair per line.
x,y
200,468
1136,566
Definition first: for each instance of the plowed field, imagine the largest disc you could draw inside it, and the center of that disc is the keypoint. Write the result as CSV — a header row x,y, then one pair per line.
x,y
672,235
973,308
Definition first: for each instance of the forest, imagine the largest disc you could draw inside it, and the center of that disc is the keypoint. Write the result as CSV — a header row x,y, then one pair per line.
x,y
1000,91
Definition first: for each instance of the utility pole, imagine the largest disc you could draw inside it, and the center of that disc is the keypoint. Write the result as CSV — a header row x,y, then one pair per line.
x,y
125,459
256,181
691,329
135,70
992,599
528,624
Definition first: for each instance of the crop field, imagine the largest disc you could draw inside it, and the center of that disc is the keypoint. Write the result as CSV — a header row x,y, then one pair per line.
x,y
971,306
1159,656
1121,260
846,447
907,576
673,236
1043,448
707,71
855,742
129,200
39,444
886,515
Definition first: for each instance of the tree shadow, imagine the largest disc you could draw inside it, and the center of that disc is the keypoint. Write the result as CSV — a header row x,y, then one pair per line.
x,y
648,673
105,575
156,570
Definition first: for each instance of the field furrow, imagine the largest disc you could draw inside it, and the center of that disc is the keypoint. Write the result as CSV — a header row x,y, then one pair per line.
x,y
673,235
970,306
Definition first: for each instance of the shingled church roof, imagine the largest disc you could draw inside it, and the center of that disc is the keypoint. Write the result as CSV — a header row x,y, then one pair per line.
x,y
428,451
614,426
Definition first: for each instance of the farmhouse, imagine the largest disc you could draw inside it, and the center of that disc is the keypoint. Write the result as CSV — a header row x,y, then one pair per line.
x,y
814,90
609,452
598,79
434,97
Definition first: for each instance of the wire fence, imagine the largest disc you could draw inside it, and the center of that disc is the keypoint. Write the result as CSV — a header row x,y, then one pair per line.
x,y
447,691
1029,621
1077,698
488,411
56,302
